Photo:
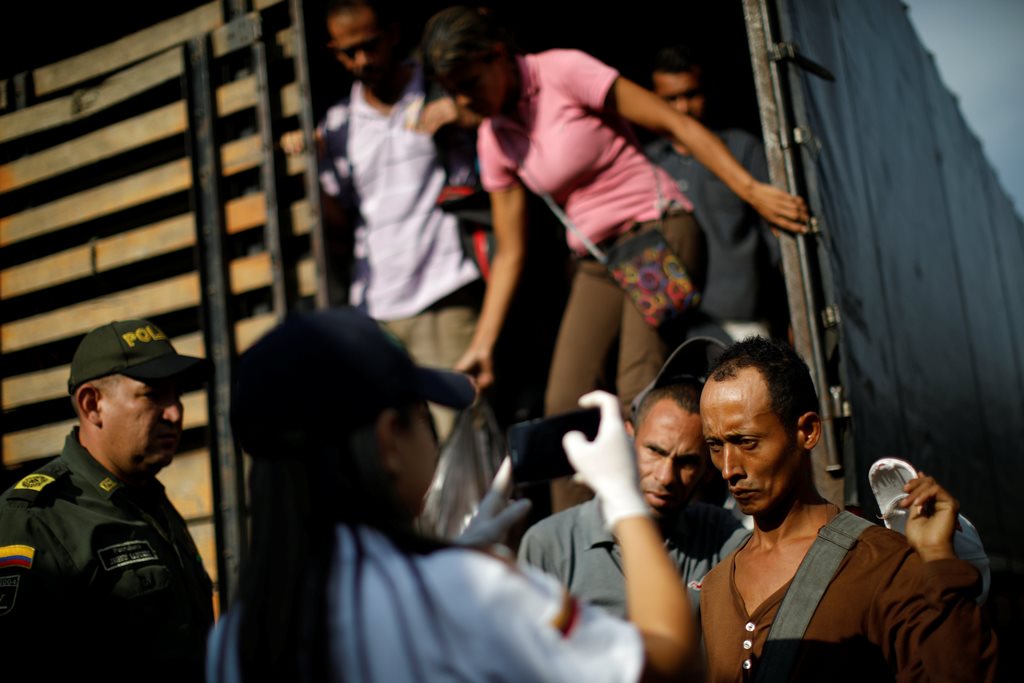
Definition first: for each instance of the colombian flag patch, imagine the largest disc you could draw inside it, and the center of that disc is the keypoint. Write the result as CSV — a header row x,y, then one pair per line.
x,y
17,556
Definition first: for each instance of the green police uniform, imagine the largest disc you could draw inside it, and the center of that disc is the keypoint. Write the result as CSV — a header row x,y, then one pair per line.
x,y
99,576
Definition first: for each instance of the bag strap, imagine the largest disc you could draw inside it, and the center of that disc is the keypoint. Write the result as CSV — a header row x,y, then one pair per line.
x,y
805,592
566,221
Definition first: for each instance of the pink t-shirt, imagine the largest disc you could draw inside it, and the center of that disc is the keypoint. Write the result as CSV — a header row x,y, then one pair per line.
x,y
565,144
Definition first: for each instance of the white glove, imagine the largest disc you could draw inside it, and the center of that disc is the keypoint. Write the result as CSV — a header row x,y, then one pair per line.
x,y
608,463
490,525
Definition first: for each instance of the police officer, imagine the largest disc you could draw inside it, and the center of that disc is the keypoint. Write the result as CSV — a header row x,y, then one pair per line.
x,y
98,572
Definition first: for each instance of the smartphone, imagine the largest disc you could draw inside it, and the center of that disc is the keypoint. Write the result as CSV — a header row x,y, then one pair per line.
x,y
535,446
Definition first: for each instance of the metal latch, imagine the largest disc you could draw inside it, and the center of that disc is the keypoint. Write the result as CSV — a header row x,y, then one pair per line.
x,y
780,52
830,317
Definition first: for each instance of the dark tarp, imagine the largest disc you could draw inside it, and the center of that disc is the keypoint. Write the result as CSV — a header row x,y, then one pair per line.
x,y
927,260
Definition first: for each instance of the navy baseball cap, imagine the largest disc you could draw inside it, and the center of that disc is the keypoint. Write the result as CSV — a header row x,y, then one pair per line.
x,y
134,348
691,361
323,374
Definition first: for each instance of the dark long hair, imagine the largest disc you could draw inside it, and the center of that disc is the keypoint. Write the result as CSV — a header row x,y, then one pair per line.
x,y
298,497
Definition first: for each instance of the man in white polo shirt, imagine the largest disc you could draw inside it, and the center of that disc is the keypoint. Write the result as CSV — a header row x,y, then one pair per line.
x,y
382,173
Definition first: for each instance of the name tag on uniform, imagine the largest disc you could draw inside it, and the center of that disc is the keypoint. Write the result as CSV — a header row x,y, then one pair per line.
x,y
122,554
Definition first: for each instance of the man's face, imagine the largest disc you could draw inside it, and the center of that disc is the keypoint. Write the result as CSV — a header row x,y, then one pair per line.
x,y
681,90
755,452
141,425
671,456
366,51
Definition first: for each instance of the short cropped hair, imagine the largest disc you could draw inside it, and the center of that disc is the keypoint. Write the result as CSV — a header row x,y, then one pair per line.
x,y
787,376
685,394
676,59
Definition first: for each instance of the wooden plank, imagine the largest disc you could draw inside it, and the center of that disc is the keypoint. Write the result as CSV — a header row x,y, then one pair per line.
x,y
250,330
303,217
237,95
290,100
285,38
241,154
105,143
161,181
172,294
174,176
45,385
118,88
127,50
40,442
243,213
204,535
187,482
102,255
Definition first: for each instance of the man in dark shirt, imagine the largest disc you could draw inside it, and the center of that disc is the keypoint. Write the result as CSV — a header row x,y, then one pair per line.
x,y
742,295
99,576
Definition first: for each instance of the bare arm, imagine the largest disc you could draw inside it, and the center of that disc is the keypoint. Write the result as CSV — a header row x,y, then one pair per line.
x,y
656,603
508,209
646,109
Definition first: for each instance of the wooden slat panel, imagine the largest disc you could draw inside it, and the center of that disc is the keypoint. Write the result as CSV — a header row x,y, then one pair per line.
x,y
247,273
40,442
141,130
119,87
286,39
111,252
129,49
307,277
174,176
148,241
3,93
187,481
161,181
45,385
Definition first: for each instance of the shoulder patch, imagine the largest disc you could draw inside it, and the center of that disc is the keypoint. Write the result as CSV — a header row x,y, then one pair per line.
x,y
35,482
17,556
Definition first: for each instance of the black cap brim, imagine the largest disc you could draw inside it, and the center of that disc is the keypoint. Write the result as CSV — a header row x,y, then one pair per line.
x,y
451,389
690,361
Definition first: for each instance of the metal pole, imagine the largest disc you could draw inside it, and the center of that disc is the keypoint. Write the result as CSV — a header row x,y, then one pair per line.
x,y
796,259
218,326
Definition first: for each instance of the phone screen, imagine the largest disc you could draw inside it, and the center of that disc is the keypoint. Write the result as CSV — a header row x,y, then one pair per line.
x,y
535,446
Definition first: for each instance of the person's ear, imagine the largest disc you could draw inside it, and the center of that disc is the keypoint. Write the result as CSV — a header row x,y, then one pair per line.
x,y
808,430
87,400
630,430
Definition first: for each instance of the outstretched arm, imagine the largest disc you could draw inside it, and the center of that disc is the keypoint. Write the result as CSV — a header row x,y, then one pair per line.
x,y
656,601
644,108
508,209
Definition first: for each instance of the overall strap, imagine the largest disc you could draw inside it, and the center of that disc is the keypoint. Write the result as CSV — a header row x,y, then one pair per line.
x,y
805,592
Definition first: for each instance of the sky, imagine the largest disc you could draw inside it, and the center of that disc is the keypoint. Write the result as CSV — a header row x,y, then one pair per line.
x,y
979,50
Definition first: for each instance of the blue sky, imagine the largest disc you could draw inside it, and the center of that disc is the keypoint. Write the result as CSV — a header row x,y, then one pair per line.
x,y
979,48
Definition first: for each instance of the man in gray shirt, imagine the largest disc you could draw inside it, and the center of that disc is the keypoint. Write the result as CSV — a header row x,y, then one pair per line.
x,y
673,462
743,292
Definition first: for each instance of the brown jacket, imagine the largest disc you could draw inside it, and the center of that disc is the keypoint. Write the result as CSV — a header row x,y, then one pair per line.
x,y
886,616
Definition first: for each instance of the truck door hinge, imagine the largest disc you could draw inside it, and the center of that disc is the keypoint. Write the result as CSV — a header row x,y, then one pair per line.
x,y
830,317
781,52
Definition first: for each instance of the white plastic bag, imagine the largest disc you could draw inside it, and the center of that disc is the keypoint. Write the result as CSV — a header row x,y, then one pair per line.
x,y
468,462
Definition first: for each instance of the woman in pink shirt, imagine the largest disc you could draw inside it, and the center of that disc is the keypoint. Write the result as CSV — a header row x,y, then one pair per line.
x,y
558,122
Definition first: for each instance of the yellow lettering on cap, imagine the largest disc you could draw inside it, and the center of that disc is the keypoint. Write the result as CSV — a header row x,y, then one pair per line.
x,y
35,482
129,339
142,334
155,333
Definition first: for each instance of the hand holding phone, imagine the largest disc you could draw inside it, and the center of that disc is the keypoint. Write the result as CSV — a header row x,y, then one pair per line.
x,y
607,463
535,446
